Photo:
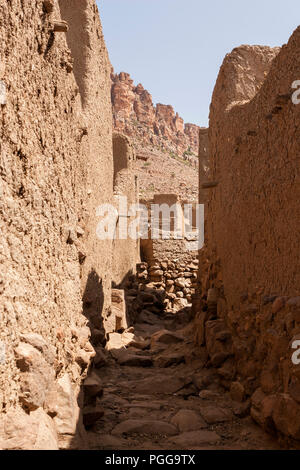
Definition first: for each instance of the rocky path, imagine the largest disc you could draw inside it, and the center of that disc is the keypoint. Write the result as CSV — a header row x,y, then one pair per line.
x,y
159,396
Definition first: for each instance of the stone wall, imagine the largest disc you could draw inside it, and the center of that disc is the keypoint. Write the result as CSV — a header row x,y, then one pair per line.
x,y
177,280
92,74
169,252
56,167
249,268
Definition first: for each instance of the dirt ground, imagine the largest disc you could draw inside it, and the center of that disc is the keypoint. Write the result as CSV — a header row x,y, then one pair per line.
x,y
152,401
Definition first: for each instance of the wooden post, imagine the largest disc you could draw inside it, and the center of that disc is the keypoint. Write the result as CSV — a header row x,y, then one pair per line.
x,y
210,184
60,26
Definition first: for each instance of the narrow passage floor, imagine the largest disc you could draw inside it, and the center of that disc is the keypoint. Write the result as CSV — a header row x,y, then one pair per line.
x,y
159,395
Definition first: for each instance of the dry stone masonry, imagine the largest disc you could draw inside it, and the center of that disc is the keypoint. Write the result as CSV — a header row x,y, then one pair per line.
x,y
177,281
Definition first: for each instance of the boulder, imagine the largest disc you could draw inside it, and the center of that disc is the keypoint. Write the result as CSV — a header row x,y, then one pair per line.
x,y
262,407
193,439
127,358
180,282
145,426
152,385
209,395
188,420
219,349
38,342
286,416
215,414
67,418
36,377
237,392
100,359
165,337
22,431
180,303
93,386
169,359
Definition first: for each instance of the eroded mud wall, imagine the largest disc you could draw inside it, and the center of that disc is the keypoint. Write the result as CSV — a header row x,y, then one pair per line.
x,y
249,269
92,74
126,195
56,166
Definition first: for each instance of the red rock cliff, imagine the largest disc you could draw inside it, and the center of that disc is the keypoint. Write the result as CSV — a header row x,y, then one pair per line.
x,y
159,126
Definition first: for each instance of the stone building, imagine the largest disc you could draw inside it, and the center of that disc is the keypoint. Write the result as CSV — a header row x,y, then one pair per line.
x,y
171,248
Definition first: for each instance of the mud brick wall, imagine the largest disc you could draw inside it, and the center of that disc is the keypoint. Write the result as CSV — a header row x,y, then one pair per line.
x,y
249,269
56,166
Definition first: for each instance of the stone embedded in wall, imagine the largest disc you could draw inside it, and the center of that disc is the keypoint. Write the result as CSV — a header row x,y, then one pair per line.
x,y
20,431
66,411
118,319
36,376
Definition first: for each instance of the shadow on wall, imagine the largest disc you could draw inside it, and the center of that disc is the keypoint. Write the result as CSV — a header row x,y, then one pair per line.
x,y
146,250
127,279
120,348
75,13
128,315
91,390
92,309
93,300
122,155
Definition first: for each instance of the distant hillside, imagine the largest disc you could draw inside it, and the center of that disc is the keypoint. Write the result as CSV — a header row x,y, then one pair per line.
x,y
158,126
167,148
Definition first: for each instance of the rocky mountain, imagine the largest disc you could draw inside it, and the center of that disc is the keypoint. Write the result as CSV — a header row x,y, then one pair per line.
x,y
166,148
148,125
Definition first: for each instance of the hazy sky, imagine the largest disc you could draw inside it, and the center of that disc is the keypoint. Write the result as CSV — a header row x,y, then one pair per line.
x,y
175,48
